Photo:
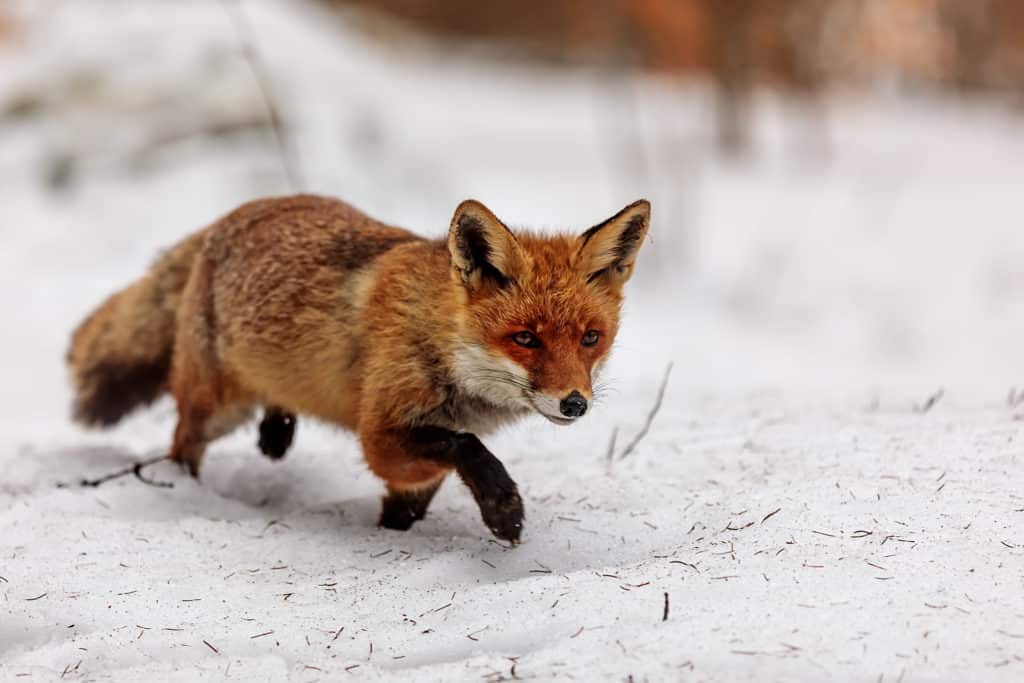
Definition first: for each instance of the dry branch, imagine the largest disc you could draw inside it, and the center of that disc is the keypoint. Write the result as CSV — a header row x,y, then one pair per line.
x,y
610,454
135,470
650,416
285,146
930,402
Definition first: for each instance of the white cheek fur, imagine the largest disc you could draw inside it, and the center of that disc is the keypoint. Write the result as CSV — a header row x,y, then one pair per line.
x,y
497,379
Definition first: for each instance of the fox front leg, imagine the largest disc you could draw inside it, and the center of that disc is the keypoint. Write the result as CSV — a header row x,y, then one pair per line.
x,y
487,479
404,506
427,452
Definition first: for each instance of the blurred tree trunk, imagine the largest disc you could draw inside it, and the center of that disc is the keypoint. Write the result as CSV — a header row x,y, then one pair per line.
x,y
8,26
801,28
732,66
970,24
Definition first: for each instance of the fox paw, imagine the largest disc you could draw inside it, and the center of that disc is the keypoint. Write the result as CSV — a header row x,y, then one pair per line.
x,y
497,496
503,514
397,519
400,509
190,465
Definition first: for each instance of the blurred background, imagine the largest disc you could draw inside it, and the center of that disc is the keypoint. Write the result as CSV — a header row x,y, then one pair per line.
x,y
837,185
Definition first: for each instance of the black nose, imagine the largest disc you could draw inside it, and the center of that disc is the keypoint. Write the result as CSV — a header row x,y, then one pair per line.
x,y
573,405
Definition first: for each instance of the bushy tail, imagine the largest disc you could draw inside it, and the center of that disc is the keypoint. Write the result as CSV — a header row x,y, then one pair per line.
x,y
120,356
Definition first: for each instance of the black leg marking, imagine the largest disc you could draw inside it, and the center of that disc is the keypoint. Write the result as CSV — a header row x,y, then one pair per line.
x,y
487,479
402,509
495,493
276,433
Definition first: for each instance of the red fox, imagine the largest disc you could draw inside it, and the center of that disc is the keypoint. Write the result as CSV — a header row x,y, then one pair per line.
x,y
305,305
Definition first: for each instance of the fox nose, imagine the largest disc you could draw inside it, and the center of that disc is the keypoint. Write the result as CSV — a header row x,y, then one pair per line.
x,y
573,405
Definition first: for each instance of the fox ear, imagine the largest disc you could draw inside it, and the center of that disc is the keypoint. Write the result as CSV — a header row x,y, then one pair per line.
x,y
607,251
481,247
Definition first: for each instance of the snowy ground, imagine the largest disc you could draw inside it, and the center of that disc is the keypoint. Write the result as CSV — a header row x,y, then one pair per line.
x,y
804,520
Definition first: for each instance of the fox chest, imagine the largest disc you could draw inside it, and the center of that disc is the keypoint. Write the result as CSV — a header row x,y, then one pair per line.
x,y
468,413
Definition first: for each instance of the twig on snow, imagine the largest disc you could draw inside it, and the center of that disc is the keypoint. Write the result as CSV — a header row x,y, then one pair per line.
x,y
930,402
650,416
610,455
1015,398
135,470
285,148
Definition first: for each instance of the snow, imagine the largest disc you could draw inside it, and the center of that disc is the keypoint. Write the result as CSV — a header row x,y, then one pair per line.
x,y
805,521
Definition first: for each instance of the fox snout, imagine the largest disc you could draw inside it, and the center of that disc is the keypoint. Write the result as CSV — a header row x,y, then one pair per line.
x,y
561,411
574,405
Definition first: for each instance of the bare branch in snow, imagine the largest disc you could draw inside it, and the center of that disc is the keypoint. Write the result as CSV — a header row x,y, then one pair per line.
x,y
135,470
610,455
930,402
285,146
650,416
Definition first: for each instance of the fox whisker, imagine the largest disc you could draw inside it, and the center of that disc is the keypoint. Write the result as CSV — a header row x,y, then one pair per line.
x,y
500,376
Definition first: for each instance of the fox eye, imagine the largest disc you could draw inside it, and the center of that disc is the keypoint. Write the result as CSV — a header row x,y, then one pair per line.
x,y
590,338
526,339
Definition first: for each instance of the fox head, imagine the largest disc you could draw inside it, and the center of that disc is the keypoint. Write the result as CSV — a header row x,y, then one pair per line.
x,y
540,313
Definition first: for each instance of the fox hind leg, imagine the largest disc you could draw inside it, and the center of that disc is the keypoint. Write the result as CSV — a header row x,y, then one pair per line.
x,y
190,437
200,424
277,430
209,406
